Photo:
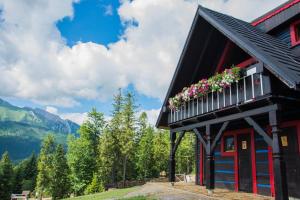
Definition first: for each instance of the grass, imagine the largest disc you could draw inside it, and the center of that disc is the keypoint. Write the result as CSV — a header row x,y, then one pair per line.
x,y
115,194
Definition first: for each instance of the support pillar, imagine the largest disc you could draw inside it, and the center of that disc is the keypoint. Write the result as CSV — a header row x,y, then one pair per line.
x,y
172,162
210,163
280,180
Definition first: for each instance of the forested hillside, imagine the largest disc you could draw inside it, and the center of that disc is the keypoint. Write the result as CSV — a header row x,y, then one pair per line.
x,y
23,129
106,154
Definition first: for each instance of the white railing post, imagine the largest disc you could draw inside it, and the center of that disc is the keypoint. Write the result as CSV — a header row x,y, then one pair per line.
x,y
212,100
184,112
193,108
181,112
230,95
197,106
218,100
207,103
237,92
245,92
202,109
261,84
252,84
224,95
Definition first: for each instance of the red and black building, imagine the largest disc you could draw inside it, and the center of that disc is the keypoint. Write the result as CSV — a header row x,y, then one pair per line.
x,y
248,135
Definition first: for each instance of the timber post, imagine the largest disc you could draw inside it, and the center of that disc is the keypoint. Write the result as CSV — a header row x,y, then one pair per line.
x,y
210,182
172,162
280,180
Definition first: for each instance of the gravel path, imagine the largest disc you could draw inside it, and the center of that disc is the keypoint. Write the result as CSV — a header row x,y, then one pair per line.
x,y
164,191
183,191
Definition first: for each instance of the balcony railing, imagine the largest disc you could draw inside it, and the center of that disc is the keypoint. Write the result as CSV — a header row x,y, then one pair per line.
x,y
251,86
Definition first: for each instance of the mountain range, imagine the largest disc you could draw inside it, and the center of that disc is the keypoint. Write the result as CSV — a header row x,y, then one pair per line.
x,y
23,129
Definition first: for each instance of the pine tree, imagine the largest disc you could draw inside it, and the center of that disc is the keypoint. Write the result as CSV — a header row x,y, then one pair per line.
x,y
161,150
146,162
18,179
59,184
94,127
128,134
81,161
109,148
45,166
95,186
29,173
6,177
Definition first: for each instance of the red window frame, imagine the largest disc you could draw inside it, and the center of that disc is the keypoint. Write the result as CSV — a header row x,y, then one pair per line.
x,y
293,31
234,154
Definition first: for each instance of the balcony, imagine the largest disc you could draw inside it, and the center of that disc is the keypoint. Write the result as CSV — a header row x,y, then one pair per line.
x,y
253,85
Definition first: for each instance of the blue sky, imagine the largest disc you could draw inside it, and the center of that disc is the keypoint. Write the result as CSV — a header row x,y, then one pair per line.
x,y
94,21
69,56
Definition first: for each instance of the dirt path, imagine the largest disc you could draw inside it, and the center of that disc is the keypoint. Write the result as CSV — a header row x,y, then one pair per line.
x,y
183,191
164,191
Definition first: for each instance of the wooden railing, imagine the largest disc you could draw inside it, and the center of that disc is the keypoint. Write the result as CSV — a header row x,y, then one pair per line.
x,y
250,87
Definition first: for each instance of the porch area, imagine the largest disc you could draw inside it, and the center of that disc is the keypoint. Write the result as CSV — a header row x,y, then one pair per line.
x,y
189,191
265,121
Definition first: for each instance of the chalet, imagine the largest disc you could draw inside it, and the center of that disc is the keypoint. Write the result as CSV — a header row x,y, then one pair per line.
x,y
247,123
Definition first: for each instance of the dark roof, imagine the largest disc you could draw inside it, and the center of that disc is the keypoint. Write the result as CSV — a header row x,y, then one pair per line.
x,y
277,16
274,11
274,53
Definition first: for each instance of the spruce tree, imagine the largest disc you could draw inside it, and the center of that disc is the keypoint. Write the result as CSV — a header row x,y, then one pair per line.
x,y
109,147
29,173
6,177
146,162
45,166
59,184
81,161
128,134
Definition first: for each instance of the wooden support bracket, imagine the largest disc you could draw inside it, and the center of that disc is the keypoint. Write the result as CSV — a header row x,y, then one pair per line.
x,y
259,130
219,135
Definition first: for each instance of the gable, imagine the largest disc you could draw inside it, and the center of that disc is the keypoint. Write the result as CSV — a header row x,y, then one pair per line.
x,y
206,42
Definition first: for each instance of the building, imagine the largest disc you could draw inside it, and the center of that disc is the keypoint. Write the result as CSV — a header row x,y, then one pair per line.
x,y
248,132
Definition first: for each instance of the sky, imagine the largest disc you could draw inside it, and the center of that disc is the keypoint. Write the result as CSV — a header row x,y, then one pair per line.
x,y
67,56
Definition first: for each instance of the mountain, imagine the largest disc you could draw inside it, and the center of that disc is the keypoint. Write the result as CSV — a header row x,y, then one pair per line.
x,y
23,129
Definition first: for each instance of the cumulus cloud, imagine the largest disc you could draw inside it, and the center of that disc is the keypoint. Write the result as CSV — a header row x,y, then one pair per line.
x,y
51,109
78,118
152,115
36,63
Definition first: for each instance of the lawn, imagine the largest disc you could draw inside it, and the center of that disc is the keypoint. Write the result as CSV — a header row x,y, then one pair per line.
x,y
115,194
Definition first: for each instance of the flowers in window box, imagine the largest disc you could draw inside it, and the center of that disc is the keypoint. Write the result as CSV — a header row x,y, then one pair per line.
x,y
202,87
215,83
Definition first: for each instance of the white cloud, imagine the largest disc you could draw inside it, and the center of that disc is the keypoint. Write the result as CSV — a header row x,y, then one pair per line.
x,y
52,110
108,10
152,115
36,63
78,118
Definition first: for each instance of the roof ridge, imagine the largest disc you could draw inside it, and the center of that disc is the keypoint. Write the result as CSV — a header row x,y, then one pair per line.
x,y
255,42
274,12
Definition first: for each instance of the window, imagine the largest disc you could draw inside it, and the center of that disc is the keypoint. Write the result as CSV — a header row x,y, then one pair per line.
x,y
229,144
295,33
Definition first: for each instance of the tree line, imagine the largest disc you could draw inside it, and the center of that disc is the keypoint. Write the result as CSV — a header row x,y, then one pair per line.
x,y
106,154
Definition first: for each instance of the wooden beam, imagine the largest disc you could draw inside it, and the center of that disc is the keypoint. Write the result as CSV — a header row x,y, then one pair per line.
x,y
199,136
178,142
260,131
210,169
280,179
172,161
219,135
204,47
232,117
